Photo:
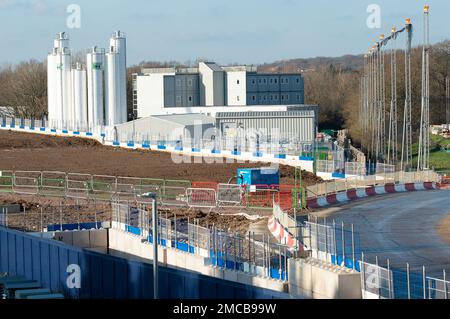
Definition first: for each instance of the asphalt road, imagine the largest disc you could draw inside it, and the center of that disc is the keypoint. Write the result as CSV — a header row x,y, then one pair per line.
x,y
401,227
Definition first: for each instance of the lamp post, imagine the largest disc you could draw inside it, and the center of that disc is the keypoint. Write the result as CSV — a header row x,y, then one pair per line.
x,y
155,245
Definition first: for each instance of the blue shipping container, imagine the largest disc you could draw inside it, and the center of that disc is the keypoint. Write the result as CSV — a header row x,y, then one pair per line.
x,y
258,176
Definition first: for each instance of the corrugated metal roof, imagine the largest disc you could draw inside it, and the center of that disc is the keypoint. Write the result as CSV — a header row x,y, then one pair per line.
x,y
280,114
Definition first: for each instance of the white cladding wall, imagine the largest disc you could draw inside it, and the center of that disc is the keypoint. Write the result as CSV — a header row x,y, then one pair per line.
x,y
236,88
116,80
95,61
150,93
79,95
212,85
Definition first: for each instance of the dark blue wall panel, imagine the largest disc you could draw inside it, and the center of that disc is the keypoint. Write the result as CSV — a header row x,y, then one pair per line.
x,y
120,279
28,256
96,276
54,269
20,256
12,254
45,264
104,276
36,259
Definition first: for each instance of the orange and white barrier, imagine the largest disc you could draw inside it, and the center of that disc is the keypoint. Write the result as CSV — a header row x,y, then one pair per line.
x,y
283,235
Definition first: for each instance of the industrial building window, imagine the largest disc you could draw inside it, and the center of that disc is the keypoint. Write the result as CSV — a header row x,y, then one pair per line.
x,y
253,97
282,97
265,81
282,81
276,81
287,96
298,80
190,99
253,82
238,98
287,80
237,81
259,81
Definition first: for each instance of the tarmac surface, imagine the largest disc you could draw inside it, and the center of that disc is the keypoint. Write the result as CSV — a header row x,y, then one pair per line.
x,y
400,227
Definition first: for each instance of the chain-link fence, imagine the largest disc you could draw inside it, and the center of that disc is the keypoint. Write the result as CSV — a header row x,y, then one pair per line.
x,y
384,282
332,243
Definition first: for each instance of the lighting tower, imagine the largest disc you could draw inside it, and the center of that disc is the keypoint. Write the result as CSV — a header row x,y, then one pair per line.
x,y
447,102
393,115
424,143
406,158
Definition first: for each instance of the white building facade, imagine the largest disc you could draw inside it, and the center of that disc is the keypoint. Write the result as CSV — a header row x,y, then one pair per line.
x,y
211,88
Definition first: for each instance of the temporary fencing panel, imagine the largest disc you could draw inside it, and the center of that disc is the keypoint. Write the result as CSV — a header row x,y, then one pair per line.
x,y
229,195
201,197
438,289
53,183
78,185
260,196
173,192
321,241
284,195
127,187
27,182
376,282
6,181
103,186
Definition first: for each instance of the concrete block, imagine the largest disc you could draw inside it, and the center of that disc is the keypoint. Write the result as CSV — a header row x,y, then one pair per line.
x,y
98,238
316,279
65,237
81,239
230,275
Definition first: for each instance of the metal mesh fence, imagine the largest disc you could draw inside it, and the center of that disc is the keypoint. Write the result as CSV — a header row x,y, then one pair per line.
x,y
376,282
252,254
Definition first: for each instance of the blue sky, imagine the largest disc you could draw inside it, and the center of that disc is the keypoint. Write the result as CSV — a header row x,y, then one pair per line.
x,y
226,31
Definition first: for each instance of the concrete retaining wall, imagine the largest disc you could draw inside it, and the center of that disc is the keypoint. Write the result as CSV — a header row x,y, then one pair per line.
x,y
134,245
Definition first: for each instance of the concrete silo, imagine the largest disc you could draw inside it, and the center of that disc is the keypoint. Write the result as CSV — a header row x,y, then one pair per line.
x,y
59,82
95,65
116,80
79,96
53,114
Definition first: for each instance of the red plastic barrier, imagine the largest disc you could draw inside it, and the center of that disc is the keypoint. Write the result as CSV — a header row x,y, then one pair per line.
x,y
208,185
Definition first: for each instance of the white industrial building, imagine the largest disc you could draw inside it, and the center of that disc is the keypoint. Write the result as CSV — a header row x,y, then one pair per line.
x,y
87,96
211,88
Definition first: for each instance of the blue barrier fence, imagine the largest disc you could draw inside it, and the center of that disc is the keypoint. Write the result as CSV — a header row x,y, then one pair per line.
x,y
109,277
